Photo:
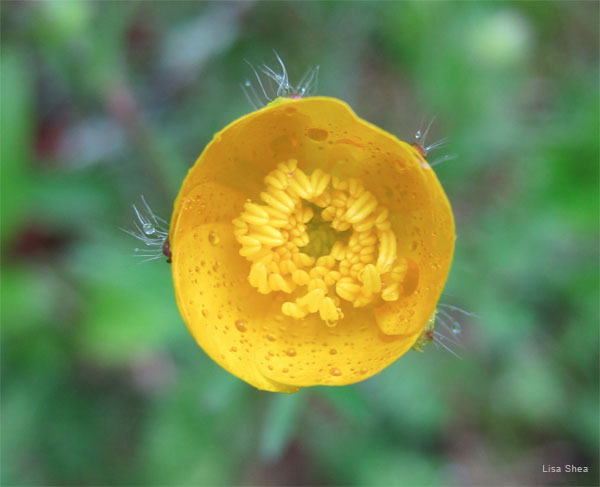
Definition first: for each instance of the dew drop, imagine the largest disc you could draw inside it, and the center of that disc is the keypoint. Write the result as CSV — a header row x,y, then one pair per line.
x,y
241,326
148,229
247,83
291,352
456,329
333,351
233,349
317,134
335,372
271,337
362,371
204,313
213,238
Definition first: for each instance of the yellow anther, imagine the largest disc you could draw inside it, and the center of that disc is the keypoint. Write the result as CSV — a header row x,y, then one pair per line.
x,y
367,238
240,232
340,226
361,208
267,240
367,259
278,283
367,250
324,200
293,310
354,187
382,215
371,280
329,311
283,199
328,214
399,271
317,284
359,269
300,277
254,214
364,225
258,277
384,226
319,181
347,288
289,167
338,251
387,251
303,260
301,241
277,179
300,184
390,293
312,301
239,223
247,241
326,261
277,218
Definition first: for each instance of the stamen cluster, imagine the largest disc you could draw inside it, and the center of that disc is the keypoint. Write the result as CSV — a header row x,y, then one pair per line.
x,y
362,264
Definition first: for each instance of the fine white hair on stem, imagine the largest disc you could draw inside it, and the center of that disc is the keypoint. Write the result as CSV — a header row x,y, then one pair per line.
x,y
268,83
421,141
439,339
149,229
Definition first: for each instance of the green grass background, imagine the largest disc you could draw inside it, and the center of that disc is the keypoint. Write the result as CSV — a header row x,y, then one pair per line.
x,y
105,101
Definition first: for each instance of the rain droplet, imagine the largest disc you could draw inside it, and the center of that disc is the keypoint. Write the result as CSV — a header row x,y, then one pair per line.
x,y
291,352
247,83
317,134
233,349
204,313
333,351
335,372
148,229
213,238
241,326
271,337
362,371
456,329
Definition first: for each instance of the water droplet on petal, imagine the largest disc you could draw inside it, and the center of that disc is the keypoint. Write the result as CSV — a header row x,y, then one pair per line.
x,y
148,229
291,352
335,372
333,351
271,337
317,134
241,326
213,238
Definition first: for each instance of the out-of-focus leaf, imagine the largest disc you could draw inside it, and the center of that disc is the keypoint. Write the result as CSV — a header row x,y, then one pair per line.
x,y
16,127
280,423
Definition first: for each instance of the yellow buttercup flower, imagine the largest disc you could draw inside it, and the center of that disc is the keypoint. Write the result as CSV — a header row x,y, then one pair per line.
x,y
309,247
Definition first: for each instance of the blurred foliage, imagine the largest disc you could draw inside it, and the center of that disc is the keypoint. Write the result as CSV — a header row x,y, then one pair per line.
x,y
103,102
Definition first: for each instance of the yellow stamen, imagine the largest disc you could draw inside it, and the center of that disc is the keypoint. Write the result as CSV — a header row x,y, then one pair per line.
x,y
360,268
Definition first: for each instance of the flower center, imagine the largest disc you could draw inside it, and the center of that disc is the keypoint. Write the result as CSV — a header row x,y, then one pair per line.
x,y
320,240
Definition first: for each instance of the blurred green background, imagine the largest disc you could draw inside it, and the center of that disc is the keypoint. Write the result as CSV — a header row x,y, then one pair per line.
x,y
101,382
